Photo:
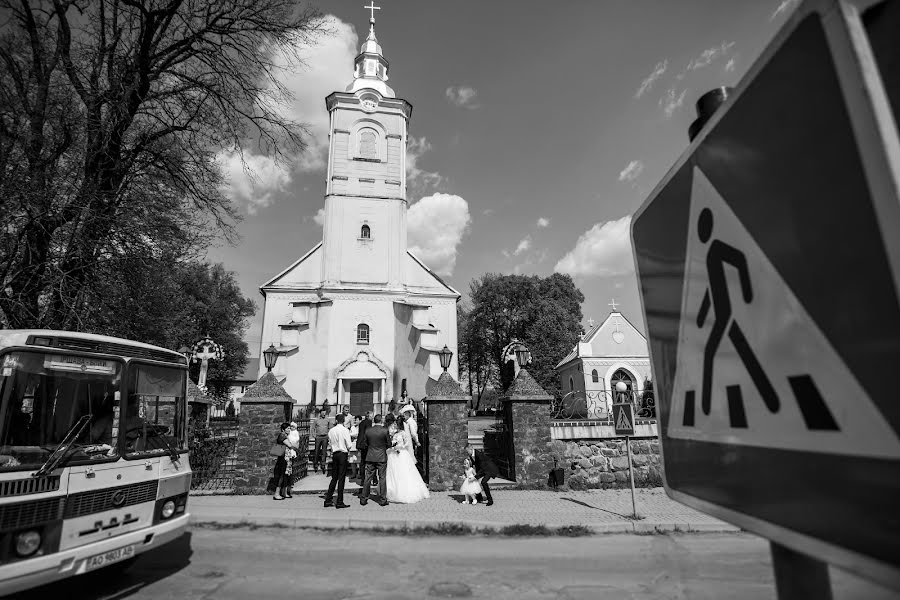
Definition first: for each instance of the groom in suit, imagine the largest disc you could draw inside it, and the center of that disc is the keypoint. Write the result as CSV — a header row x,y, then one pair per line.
x,y
377,442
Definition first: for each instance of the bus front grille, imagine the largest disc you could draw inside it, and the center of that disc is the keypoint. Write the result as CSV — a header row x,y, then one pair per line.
x,y
95,501
28,514
32,485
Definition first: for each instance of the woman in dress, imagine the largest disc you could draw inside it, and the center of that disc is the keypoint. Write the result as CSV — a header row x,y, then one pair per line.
x,y
404,484
283,466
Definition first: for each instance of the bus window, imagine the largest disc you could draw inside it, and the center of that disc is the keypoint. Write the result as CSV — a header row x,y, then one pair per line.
x,y
152,422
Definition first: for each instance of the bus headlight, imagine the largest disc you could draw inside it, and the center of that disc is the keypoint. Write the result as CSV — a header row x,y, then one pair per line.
x,y
168,509
27,543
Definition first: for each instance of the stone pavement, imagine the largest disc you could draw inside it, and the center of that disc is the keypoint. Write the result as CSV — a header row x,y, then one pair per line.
x,y
601,511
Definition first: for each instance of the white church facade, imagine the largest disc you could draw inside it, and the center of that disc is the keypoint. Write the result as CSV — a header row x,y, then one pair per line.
x,y
359,320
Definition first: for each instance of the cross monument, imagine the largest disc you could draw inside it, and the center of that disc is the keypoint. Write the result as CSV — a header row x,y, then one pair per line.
x,y
372,8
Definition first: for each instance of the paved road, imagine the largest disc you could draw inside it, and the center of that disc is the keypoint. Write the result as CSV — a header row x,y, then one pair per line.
x,y
285,564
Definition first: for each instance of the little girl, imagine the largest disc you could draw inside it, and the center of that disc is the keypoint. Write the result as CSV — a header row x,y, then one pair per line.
x,y
470,486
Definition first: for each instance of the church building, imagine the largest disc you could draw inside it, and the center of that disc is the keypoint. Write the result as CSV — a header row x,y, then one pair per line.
x,y
359,319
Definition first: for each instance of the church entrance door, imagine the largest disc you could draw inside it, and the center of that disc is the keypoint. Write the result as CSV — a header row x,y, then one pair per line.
x,y
362,397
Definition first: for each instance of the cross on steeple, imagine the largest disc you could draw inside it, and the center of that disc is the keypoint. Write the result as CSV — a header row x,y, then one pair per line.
x,y
372,8
614,304
590,322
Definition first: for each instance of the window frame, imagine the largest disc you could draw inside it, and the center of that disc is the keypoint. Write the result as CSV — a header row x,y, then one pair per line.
x,y
363,327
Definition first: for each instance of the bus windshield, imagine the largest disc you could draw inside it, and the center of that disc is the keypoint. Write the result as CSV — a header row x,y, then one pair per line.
x,y
153,421
43,394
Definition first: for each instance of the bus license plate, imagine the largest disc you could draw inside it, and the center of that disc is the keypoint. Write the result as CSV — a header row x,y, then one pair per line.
x,y
107,558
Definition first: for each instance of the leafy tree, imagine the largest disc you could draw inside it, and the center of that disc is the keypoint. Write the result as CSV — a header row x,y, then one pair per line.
x,y
112,113
543,313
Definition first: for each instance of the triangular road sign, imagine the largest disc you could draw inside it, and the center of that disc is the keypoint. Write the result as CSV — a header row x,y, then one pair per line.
x,y
753,367
622,421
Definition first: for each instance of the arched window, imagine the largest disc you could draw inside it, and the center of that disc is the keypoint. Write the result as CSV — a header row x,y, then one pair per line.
x,y
362,334
594,376
368,141
365,233
626,378
571,384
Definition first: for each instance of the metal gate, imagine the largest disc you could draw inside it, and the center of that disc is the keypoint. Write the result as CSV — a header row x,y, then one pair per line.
x,y
498,443
213,457
301,463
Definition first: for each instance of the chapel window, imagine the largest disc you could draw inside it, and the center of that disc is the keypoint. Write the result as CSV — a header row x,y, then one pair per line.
x,y
594,376
362,334
367,144
571,384
365,233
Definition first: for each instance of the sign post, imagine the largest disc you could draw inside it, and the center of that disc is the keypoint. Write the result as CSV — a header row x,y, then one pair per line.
x,y
623,421
769,375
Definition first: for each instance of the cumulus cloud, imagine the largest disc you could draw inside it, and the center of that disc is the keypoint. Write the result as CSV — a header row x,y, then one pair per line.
x,y
463,96
709,55
783,8
254,181
632,171
602,251
319,217
672,101
729,66
328,66
658,71
436,225
419,179
543,222
524,245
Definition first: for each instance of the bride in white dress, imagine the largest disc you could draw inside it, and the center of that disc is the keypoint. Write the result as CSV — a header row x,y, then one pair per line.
x,y
404,484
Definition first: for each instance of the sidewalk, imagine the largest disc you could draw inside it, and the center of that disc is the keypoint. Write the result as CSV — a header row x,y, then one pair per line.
x,y
601,511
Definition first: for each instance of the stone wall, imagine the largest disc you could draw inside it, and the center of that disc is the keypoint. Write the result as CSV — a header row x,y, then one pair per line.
x,y
604,463
531,440
258,428
447,438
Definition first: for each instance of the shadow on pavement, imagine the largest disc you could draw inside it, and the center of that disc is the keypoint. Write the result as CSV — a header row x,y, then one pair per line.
x,y
110,584
594,507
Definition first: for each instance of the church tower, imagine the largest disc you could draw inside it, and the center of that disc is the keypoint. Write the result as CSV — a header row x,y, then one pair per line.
x,y
359,319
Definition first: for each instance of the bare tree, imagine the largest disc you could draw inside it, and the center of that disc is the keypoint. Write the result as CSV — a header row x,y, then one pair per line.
x,y
112,113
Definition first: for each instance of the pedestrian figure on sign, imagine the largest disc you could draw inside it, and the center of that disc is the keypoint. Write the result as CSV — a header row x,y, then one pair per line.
x,y
717,257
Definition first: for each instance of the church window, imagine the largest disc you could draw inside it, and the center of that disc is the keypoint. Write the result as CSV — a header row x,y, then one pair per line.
x,y
362,334
594,376
368,141
571,384
365,233
370,67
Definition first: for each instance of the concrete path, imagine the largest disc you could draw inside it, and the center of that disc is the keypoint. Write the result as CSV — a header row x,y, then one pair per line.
x,y
601,511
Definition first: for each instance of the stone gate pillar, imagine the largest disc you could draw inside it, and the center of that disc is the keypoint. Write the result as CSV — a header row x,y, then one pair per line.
x,y
264,407
527,409
448,433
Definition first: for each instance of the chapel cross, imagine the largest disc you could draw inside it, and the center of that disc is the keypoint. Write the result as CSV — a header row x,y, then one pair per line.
x,y
204,357
614,304
590,322
372,8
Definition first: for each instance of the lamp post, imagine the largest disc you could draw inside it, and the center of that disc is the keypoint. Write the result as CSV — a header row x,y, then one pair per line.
x,y
523,356
621,391
270,355
446,356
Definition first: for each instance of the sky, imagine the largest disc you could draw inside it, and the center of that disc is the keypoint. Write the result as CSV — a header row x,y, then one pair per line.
x,y
538,128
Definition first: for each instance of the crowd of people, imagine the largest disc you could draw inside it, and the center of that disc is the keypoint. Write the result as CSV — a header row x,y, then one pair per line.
x,y
375,451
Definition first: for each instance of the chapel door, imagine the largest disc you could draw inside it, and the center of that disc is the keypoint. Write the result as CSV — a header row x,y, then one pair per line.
x,y
362,397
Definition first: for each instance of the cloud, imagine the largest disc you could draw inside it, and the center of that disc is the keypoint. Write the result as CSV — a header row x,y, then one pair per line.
x,y
632,171
462,95
436,225
524,245
602,251
487,211
319,217
328,66
672,101
783,8
658,72
419,179
709,55
729,66
254,181
543,222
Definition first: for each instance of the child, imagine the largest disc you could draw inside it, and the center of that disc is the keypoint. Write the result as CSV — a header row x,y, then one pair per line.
x,y
470,486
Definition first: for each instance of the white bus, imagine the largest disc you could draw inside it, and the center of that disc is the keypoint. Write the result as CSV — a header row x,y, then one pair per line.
x,y
93,453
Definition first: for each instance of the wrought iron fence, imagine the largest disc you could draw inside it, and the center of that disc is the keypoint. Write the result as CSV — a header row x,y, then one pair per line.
x,y
597,405
213,454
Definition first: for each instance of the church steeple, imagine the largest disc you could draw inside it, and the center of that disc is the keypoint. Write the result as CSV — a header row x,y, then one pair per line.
x,y
370,66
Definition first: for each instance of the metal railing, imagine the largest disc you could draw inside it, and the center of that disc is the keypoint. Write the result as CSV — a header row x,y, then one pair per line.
x,y
597,405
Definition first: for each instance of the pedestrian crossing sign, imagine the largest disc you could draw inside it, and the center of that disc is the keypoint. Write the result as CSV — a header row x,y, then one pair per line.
x,y
623,418
768,261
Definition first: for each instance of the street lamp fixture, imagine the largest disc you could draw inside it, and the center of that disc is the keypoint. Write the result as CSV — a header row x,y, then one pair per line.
x,y
446,355
186,352
270,355
621,390
523,356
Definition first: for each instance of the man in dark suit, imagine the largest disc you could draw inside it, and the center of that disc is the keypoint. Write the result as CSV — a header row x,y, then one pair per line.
x,y
485,469
377,443
361,444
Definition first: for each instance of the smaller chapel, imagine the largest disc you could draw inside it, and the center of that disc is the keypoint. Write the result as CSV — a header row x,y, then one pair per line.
x,y
358,319
610,352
